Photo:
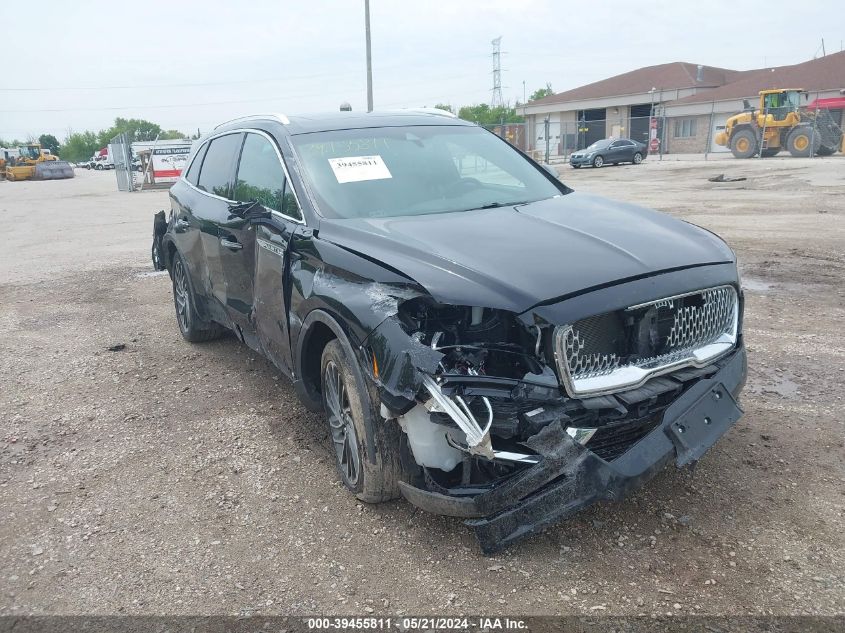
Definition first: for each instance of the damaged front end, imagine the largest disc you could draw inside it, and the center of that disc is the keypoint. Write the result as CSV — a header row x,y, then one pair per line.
x,y
515,423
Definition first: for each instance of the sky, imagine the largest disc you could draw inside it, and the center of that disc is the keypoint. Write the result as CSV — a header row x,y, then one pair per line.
x,y
76,65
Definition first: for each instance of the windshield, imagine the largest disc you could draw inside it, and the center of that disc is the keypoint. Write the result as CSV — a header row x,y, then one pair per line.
x,y
600,144
398,171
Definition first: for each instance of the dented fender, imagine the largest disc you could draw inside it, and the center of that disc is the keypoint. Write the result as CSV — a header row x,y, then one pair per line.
x,y
402,361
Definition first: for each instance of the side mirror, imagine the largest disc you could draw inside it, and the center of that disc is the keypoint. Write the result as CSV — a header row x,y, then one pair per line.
x,y
251,210
746,104
552,171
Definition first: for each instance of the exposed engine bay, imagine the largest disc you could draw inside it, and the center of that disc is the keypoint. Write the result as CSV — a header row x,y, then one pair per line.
x,y
500,383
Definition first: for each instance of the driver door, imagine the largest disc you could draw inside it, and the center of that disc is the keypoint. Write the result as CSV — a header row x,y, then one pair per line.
x,y
615,152
254,252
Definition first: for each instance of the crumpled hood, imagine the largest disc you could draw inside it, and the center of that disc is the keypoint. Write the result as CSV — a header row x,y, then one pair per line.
x,y
512,258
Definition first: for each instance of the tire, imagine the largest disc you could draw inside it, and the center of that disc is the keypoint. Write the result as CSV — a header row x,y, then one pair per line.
x,y
158,262
744,143
576,167
771,151
598,161
352,412
638,158
800,141
824,150
88,166
99,168
191,325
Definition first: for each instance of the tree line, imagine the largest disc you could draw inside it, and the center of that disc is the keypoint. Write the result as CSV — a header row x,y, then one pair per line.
x,y
484,115
79,146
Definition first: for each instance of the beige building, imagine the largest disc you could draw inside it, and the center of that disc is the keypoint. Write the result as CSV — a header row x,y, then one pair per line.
x,y
690,102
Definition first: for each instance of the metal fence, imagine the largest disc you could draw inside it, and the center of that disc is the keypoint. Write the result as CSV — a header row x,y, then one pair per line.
x,y
549,140
513,133
120,151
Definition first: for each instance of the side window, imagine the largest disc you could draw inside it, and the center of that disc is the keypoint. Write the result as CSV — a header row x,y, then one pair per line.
x,y
193,172
291,208
262,178
260,175
216,174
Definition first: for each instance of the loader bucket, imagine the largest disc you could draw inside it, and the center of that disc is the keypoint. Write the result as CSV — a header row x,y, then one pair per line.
x,y
53,170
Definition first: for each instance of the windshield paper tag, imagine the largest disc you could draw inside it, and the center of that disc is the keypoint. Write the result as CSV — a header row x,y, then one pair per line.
x,y
358,168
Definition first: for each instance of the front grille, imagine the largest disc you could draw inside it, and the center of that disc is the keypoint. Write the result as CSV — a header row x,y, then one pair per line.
x,y
621,349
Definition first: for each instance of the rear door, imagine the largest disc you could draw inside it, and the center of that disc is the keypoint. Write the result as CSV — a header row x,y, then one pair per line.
x,y
186,234
255,253
216,183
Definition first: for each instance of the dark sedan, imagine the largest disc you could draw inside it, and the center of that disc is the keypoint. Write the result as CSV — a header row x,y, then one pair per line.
x,y
609,152
482,340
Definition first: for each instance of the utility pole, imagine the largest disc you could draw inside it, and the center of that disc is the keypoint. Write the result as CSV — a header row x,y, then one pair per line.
x,y
369,56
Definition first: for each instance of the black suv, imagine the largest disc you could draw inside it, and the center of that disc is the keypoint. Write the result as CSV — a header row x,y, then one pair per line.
x,y
483,340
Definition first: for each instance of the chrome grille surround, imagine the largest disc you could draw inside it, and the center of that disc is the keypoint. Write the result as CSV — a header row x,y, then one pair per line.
x,y
704,327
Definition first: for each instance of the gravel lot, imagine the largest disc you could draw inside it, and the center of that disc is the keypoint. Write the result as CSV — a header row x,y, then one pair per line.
x,y
181,479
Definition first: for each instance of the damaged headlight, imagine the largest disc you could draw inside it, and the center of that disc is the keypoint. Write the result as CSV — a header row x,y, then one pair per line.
x,y
482,351
473,340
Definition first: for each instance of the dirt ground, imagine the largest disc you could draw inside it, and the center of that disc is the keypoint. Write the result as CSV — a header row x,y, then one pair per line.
x,y
169,478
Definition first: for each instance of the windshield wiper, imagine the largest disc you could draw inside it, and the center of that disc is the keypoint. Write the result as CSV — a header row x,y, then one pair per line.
x,y
496,205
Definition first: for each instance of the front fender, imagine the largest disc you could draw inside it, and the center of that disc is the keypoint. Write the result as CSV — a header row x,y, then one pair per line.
x,y
344,291
307,393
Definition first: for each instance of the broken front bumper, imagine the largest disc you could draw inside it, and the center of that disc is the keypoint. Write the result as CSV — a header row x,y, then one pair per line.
x,y
569,477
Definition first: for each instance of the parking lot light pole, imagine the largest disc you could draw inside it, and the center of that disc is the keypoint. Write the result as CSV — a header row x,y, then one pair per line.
x,y
369,56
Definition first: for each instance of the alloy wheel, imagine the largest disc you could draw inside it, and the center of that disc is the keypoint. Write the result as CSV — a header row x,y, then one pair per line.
x,y
180,295
344,437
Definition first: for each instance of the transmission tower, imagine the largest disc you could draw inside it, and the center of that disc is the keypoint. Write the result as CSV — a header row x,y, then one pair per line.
x,y
497,101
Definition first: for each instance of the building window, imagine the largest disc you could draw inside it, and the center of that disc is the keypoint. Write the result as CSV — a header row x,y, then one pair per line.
x,y
684,128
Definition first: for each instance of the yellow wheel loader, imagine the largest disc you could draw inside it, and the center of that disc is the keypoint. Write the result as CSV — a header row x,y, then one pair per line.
x,y
778,123
30,163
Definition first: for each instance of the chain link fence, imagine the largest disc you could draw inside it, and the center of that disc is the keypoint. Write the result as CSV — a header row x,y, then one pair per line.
x,y
120,151
554,141
513,133
550,141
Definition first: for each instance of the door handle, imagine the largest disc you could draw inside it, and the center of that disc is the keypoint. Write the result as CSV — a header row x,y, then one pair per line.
x,y
232,245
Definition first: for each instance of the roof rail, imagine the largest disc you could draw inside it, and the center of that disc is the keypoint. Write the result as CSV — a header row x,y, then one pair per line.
x,y
434,111
276,116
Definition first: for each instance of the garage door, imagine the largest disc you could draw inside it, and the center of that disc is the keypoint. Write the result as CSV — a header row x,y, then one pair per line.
x,y
554,137
719,121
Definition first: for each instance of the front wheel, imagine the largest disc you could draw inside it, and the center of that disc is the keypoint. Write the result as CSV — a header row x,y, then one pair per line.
x,y
598,161
355,424
638,158
576,166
